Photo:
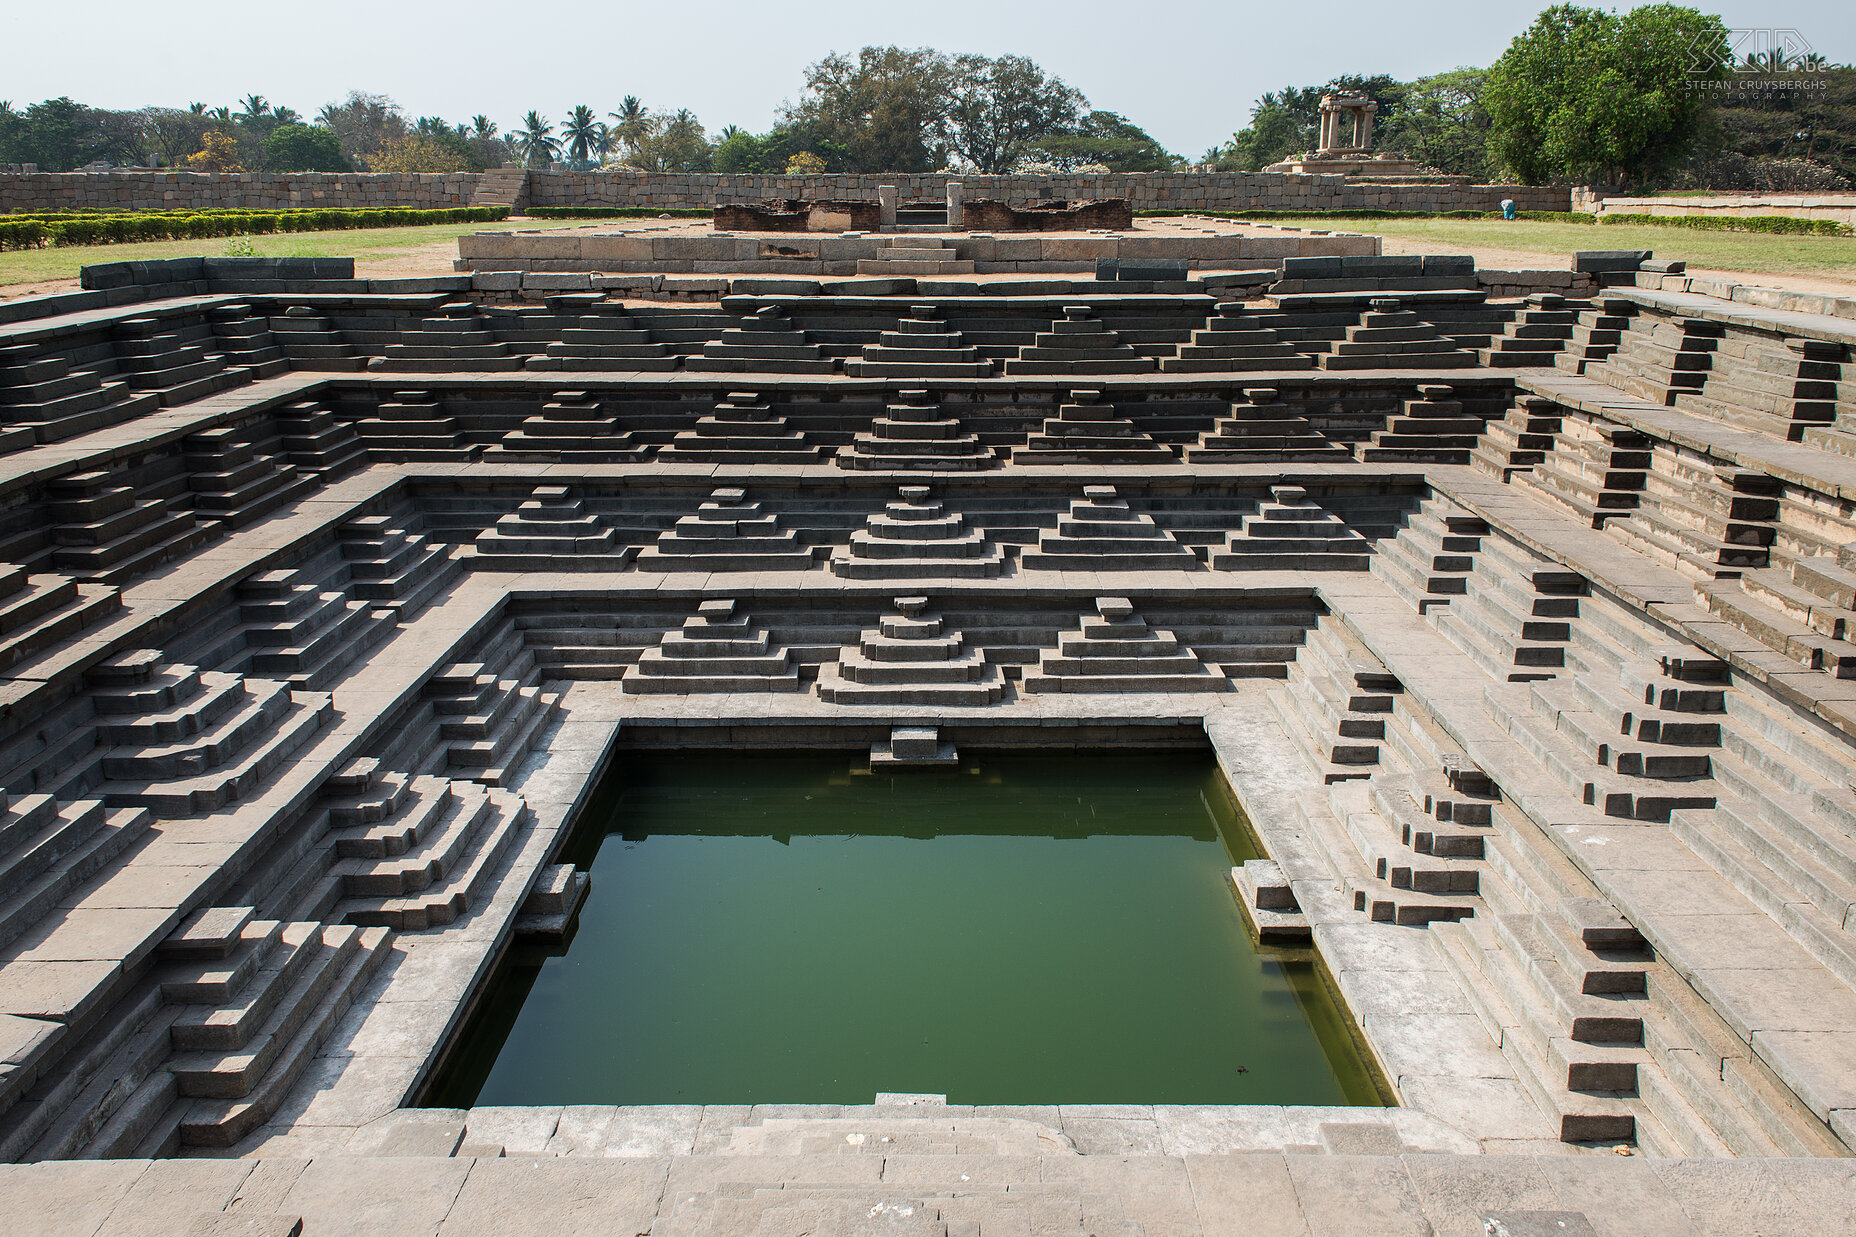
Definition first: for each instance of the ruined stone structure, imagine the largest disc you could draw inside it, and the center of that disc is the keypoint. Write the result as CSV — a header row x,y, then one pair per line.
x,y
325,600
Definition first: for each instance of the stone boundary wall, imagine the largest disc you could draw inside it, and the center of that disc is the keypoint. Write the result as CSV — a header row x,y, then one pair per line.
x,y
1840,207
39,191
1145,190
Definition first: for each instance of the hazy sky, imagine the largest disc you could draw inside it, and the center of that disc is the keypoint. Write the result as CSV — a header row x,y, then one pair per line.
x,y
1186,70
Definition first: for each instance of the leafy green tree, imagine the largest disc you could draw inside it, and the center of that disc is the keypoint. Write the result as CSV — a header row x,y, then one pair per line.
x,y
304,148
1109,139
582,135
674,144
881,109
631,124
535,141
364,123
995,110
1441,122
1283,123
1612,98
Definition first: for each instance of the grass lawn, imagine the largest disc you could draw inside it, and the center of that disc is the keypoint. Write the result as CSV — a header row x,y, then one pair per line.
x,y
1754,252
367,245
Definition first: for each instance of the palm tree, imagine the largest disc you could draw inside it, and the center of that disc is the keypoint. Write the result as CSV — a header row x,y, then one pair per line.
x,y
255,105
580,134
731,131
221,113
199,109
535,140
286,115
482,127
632,126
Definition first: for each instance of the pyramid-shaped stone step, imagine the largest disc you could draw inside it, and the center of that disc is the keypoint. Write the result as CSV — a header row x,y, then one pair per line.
x,y
550,531
1079,343
716,650
1431,429
1536,335
727,533
916,538
316,441
487,724
1116,651
242,1089
742,429
1523,438
412,426
246,341
176,362
1292,532
231,482
764,342
1388,337
1234,340
458,339
915,434
392,568
48,849
1101,533
572,428
1263,429
1087,431
44,399
921,346
306,636
39,612
101,530
605,337
311,342
445,845
909,659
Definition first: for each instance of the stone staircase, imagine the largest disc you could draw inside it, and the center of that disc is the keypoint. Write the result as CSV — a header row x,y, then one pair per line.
x,y
908,659
1101,533
1597,469
1116,651
235,484
176,361
103,532
391,565
742,429
413,852
1079,343
1522,439
1516,614
1088,431
913,254
728,532
310,341
46,398
1291,532
246,341
1234,340
766,342
458,339
1777,386
40,612
1536,335
1658,358
916,538
1429,560
584,331
572,428
1707,521
550,531
503,186
487,724
921,346
1263,429
210,1040
1597,334
314,441
48,849
914,433
1432,429
1337,704
716,650
1388,337
412,426
291,629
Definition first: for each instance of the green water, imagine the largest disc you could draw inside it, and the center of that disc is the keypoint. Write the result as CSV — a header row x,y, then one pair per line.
x,y
1027,929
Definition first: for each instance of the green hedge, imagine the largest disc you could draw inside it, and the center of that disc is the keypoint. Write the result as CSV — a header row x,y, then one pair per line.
x,y
1775,224
616,212
33,231
1548,216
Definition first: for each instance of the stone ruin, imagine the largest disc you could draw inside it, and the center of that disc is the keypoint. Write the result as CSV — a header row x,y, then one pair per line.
x,y
1053,215
798,215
